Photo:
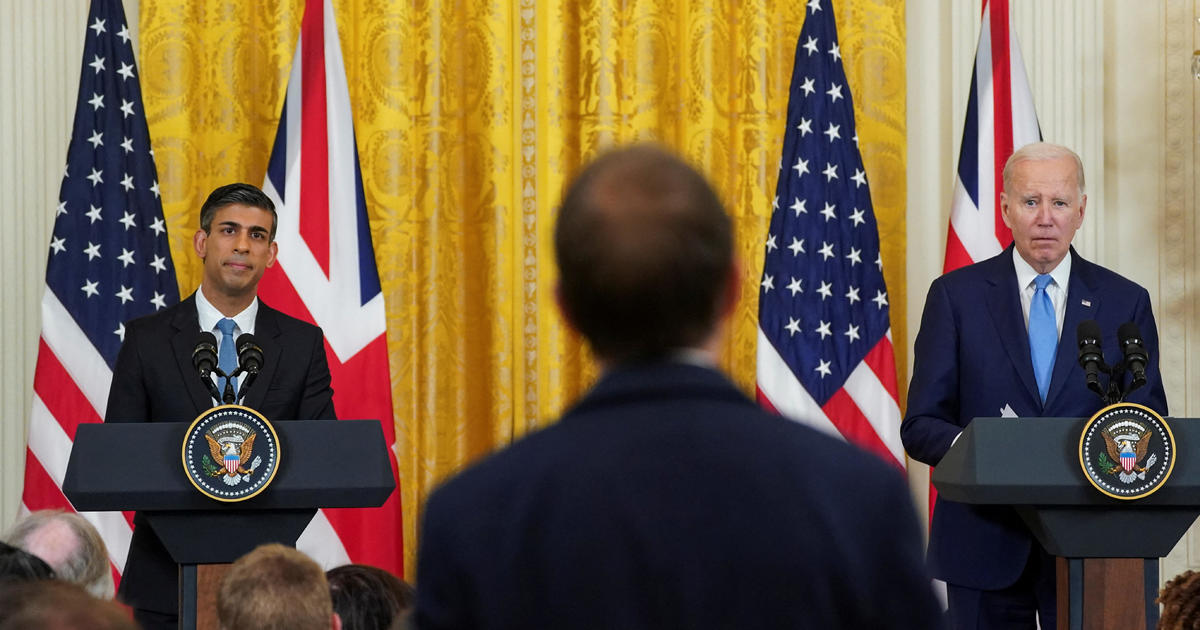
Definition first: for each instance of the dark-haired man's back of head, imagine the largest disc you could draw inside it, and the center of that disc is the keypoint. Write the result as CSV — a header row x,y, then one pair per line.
x,y
369,598
645,255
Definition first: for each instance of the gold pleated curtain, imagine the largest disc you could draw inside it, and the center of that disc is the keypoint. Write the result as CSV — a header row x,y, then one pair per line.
x,y
470,119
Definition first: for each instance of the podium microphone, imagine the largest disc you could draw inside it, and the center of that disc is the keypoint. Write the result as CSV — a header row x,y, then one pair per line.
x,y
204,359
1091,358
250,358
1130,340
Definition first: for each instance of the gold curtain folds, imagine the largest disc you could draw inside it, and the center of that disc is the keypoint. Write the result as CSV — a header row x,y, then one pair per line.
x,y
470,118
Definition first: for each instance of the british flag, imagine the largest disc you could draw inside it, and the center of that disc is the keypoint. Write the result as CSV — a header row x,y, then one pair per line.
x,y
824,345
1000,118
326,273
109,262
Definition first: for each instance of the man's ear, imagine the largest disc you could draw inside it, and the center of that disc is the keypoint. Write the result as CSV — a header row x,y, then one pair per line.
x,y
274,248
733,289
335,622
1004,210
562,306
200,243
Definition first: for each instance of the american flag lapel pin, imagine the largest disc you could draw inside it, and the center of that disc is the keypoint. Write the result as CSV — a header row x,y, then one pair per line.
x,y
1087,303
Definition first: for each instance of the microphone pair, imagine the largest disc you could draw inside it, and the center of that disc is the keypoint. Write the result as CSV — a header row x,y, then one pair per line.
x,y
204,359
1091,358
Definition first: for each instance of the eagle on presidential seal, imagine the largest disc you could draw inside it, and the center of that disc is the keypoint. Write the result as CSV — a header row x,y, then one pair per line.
x,y
233,455
1125,452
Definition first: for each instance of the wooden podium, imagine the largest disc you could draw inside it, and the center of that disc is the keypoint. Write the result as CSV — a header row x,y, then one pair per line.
x,y
1108,548
323,463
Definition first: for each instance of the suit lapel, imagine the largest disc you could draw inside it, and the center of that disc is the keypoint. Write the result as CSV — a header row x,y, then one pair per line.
x,y
1004,307
187,328
1083,302
266,331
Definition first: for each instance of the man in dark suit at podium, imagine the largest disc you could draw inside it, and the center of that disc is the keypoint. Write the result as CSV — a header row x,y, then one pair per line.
x,y
666,498
997,339
154,379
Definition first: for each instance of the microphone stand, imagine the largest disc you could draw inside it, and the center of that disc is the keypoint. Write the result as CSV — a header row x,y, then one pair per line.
x,y
229,398
1116,391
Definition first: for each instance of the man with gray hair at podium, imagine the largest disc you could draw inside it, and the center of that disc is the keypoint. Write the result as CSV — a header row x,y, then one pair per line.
x,y
995,340
666,498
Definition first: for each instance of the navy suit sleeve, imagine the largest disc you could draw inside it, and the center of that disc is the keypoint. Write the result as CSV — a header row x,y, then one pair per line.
x,y
441,598
316,402
930,426
899,590
1152,394
128,400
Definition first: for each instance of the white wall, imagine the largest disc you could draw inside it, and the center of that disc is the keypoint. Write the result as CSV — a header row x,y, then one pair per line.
x,y
41,52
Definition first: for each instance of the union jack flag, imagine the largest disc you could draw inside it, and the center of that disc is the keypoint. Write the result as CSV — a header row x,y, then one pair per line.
x,y
824,345
326,273
1000,118
109,262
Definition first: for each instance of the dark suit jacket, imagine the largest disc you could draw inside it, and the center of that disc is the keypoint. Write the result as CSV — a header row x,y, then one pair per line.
x,y
667,499
972,359
154,381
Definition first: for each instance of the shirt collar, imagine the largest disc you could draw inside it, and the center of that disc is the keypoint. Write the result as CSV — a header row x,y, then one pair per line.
x,y
1026,273
209,315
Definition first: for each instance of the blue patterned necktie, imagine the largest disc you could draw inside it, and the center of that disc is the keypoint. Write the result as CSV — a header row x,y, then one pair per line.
x,y
1043,334
227,357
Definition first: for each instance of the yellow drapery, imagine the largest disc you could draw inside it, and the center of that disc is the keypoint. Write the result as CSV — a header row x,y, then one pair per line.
x,y
470,118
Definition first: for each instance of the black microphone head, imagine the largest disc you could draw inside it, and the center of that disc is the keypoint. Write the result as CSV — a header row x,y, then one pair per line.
x,y
1129,337
204,355
1129,332
1087,334
250,355
1088,330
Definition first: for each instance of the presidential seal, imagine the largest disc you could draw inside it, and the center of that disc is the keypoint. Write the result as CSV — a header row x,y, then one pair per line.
x,y
1127,451
230,453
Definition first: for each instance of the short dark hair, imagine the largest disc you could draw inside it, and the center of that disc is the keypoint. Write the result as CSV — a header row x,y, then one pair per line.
x,y
645,250
229,194
18,565
368,598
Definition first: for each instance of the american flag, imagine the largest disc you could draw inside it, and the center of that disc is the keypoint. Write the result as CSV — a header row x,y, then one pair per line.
x,y
824,339
326,273
1000,118
109,262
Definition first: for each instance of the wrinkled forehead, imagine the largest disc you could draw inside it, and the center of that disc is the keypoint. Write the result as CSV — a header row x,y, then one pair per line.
x,y
1045,176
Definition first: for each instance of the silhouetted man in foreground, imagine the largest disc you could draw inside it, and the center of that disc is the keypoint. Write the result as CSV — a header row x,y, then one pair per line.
x,y
665,498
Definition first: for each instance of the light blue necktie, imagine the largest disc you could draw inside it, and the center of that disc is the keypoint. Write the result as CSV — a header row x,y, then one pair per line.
x,y
227,358
1043,334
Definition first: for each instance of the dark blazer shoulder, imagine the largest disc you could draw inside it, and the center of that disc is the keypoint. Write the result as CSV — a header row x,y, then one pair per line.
x,y
180,316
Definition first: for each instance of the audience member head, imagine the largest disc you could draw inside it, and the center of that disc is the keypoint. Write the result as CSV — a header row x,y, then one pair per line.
x,y
1180,600
275,588
368,598
58,605
645,256
70,545
18,565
